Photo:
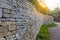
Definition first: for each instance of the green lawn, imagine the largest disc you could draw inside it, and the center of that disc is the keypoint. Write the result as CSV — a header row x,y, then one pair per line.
x,y
44,33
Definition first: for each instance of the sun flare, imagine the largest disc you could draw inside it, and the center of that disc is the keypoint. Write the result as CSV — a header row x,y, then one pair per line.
x,y
52,3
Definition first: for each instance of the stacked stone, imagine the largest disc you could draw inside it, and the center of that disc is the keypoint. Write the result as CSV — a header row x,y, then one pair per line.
x,y
48,19
18,20
7,22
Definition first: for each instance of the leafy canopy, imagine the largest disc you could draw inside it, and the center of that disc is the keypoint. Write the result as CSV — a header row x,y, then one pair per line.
x,y
39,7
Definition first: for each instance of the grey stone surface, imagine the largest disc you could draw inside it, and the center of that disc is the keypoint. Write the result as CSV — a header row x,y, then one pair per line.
x,y
48,19
2,38
0,12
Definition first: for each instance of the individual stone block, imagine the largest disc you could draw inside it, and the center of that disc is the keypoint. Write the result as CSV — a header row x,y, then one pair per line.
x,y
0,12
11,37
8,23
10,19
5,30
12,27
0,22
13,12
4,24
14,16
2,38
4,1
8,33
15,5
7,11
1,30
12,32
1,34
11,23
5,5
9,7
3,19
19,20
6,15
14,1
0,19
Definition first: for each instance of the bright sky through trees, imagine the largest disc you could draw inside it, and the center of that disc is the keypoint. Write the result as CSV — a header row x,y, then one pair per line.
x,y
51,3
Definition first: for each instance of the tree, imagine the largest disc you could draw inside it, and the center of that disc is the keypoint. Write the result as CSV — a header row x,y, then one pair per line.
x,y
39,7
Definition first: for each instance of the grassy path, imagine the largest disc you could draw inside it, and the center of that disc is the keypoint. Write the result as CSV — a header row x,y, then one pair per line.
x,y
55,32
44,32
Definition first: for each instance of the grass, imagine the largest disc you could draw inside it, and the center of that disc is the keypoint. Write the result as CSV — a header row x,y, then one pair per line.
x,y
44,33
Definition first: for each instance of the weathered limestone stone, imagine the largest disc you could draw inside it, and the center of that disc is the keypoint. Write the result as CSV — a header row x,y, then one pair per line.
x,y
4,24
0,12
7,11
5,5
19,20
2,38
12,27
48,19
1,29
11,37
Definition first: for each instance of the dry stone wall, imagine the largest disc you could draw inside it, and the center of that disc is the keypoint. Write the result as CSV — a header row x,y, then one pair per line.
x,y
48,19
19,20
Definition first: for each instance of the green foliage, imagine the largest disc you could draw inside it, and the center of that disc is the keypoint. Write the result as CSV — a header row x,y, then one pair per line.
x,y
44,33
55,12
39,7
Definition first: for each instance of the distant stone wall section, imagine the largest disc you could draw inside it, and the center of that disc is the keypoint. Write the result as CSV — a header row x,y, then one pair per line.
x,y
48,19
19,20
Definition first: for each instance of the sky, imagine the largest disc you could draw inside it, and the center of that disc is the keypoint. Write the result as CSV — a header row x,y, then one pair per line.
x,y
51,3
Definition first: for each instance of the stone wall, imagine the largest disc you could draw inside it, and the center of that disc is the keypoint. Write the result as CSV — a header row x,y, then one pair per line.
x,y
19,20
48,19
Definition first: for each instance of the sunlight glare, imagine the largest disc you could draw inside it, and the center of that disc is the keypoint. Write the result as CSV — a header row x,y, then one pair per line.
x,y
52,3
